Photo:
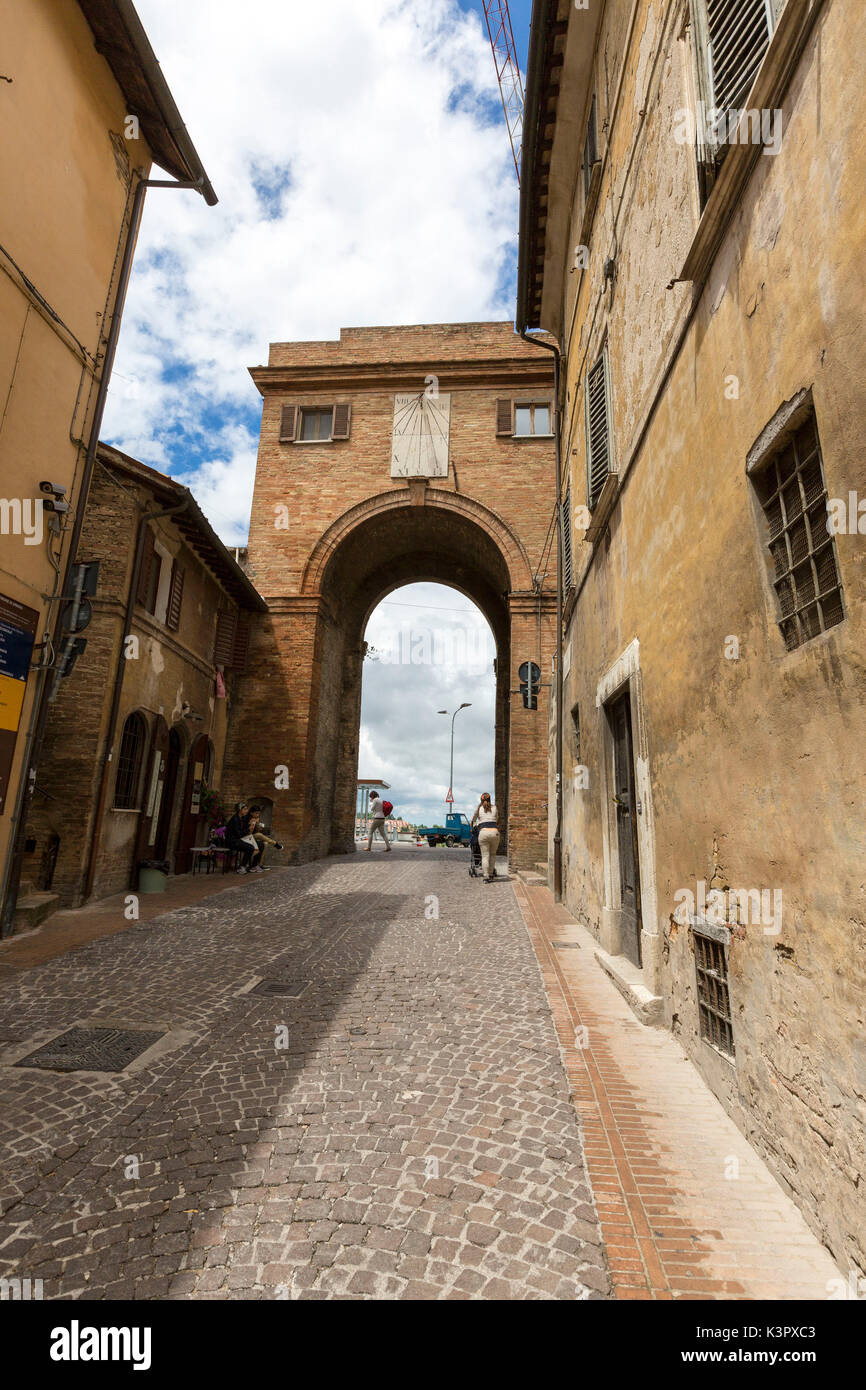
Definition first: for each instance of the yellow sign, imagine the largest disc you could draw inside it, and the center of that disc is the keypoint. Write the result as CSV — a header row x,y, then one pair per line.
x,y
11,700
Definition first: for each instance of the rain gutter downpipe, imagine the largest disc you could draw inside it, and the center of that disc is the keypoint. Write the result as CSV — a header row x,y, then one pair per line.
x,y
542,11
557,834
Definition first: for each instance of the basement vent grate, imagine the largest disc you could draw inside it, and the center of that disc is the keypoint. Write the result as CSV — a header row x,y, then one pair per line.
x,y
91,1049
291,988
714,1001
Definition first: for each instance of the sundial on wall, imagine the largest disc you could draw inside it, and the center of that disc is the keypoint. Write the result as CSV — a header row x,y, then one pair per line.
x,y
419,441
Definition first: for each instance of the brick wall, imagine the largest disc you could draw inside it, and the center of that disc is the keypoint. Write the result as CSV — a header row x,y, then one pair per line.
x,y
331,532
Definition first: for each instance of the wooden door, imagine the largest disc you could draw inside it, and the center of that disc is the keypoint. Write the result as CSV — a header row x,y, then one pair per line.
x,y
168,794
191,818
626,826
152,792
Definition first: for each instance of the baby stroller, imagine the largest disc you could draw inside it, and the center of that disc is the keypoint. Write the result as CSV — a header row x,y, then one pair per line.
x,y
474,854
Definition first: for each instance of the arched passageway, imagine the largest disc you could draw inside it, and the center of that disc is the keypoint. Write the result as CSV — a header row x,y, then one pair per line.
x,y
309,659
420,467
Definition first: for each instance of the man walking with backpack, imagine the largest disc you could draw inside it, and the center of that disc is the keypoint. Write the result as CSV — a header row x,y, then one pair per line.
x,y
377,821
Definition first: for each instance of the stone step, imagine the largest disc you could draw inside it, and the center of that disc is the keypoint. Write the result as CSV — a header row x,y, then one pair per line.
x,y
32,909
529,876
541,867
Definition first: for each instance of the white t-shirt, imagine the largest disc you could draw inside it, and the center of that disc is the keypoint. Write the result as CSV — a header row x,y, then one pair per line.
x,y
376,809
483,817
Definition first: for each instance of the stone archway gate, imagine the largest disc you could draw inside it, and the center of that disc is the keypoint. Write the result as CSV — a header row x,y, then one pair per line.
x,y
391,456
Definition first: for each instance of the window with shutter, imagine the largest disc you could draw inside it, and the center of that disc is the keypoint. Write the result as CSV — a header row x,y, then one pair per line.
x,y
288,417
590,147
737,35
503,417
175,597
241,643
565,522
731,37
146,592
224,645
342,421
597,430
316,425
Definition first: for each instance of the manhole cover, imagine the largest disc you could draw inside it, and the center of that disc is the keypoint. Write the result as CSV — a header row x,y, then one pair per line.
x,y
91,1049
358,1030
292,988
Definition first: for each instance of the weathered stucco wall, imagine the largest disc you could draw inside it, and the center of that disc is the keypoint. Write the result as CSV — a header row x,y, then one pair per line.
x,y
755,763
66,172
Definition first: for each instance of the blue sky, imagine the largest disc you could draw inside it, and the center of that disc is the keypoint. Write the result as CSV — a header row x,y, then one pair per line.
x,y
365,176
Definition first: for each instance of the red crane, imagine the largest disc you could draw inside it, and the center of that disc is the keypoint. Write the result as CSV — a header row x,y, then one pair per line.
x,y
507,72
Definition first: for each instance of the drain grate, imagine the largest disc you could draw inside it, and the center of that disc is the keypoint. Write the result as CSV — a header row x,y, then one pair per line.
x,y
566,945
293,988
91,1049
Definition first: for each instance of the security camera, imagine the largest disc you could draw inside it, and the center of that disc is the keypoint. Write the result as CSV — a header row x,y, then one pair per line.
x,y
53,504
56,489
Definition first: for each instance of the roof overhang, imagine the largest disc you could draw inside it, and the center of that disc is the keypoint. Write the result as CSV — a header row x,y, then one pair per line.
x,y
562,41
120,37
192,523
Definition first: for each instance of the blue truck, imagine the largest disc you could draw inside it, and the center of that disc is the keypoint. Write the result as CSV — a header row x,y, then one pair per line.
x,y
455,831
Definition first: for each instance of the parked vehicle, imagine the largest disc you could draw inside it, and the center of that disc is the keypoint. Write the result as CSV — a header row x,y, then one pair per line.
x,y
455,831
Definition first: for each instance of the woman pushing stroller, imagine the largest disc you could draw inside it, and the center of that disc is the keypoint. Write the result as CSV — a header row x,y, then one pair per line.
x,y
488,835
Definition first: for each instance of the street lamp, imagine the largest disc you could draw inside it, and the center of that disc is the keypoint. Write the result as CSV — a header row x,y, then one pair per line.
x,y
467,704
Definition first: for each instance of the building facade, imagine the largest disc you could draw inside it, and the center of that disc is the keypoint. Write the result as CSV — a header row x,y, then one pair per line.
x,y
692,235
390,456
135,738
85,113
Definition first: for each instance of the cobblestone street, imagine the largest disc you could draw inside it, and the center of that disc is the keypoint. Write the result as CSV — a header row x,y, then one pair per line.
x,y
398,1123
399,1126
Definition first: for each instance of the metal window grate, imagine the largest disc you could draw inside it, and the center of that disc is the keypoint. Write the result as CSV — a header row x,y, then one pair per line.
x,y
793,494
597,430
714,1001
129,763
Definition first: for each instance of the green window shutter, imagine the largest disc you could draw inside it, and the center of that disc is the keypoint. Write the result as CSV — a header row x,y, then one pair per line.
x,y
597,430
565,522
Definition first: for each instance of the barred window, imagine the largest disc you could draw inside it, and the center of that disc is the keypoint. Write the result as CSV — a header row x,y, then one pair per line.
x,y
793,494
714,1001
129,762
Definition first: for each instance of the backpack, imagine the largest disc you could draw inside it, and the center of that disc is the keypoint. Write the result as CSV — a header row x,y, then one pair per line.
x,y
387,807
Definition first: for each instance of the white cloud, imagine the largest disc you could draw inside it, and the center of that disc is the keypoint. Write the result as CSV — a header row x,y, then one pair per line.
x,y
364,177
444,650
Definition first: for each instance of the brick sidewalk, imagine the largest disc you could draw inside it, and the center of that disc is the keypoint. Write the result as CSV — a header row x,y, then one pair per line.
x,y
658,1144
75,926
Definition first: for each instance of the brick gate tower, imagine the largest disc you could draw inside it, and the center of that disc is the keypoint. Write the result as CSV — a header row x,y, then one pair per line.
x,y
392,456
